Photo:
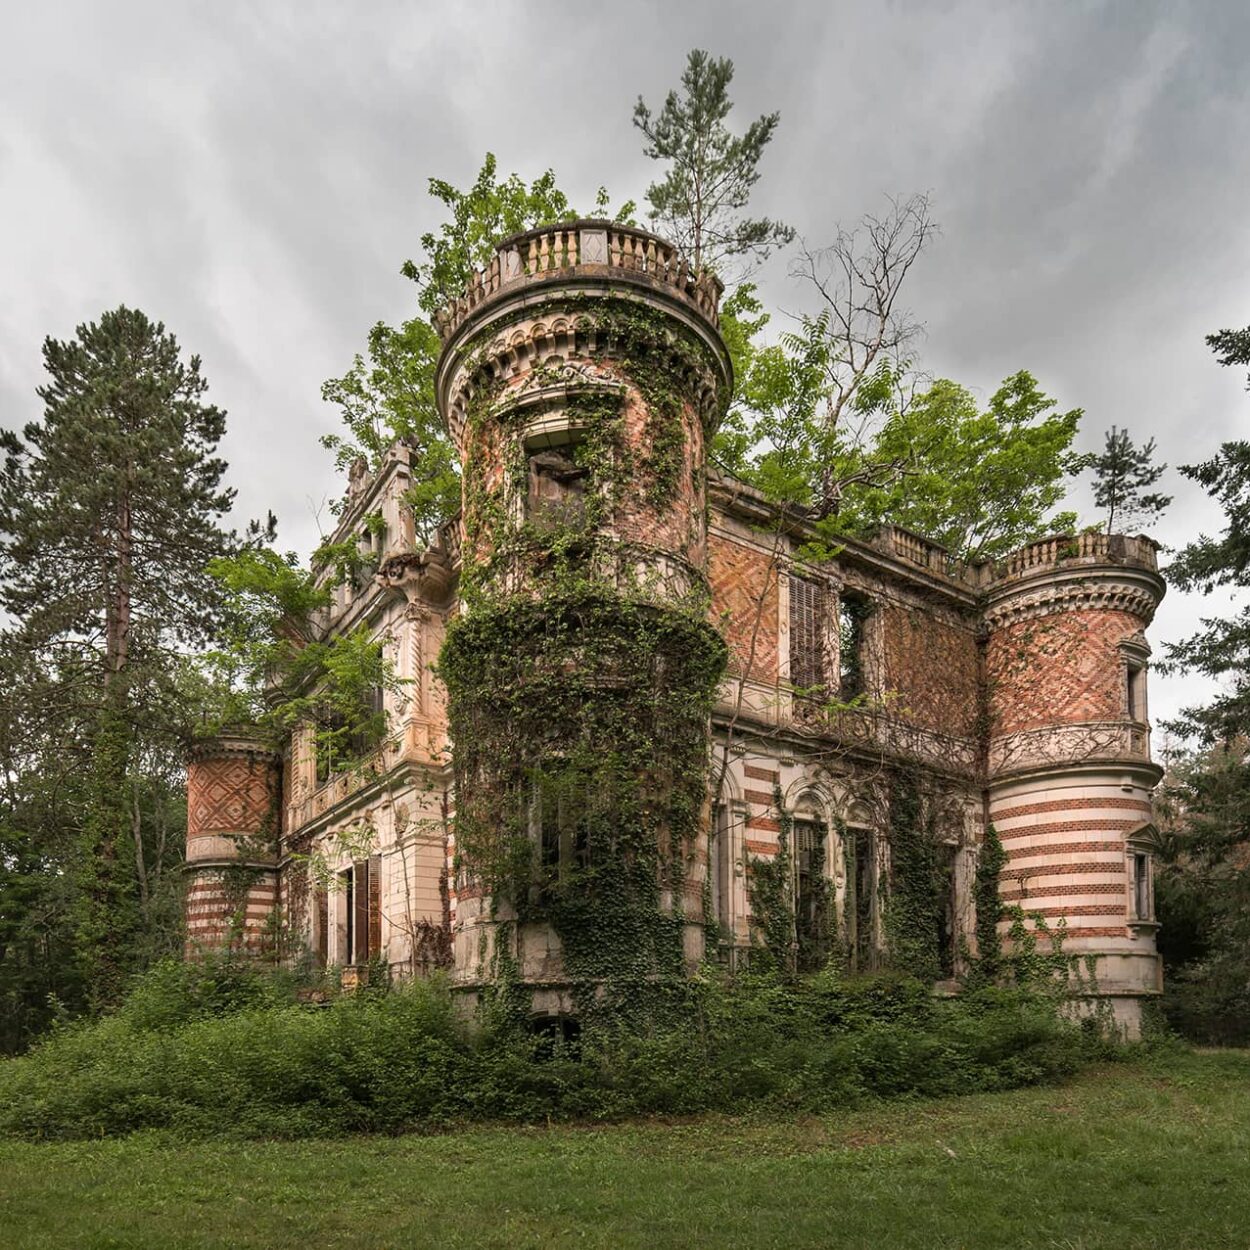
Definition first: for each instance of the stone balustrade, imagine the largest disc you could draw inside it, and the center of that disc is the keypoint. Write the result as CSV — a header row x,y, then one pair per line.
x,y
590,246
1095,548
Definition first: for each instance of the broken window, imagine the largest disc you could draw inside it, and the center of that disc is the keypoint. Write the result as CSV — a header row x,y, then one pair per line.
x,y
807,628
557,489
559,819
809,880
853,612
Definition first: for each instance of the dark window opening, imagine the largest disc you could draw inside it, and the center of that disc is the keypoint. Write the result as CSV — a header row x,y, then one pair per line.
x,y
944,886
560,812
853,612
811,892
861,899
340,741
557,489
1141,885
807,621
321,921
720,866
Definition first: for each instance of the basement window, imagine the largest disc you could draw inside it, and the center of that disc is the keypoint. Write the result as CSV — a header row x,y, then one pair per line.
x,y
807,629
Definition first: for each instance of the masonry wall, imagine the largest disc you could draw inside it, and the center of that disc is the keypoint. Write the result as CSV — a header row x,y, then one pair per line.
x,y
1059,669
931,670
745,606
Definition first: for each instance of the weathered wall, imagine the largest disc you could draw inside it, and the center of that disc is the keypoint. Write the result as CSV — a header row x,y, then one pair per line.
x,y
745,606
931,670
1059,669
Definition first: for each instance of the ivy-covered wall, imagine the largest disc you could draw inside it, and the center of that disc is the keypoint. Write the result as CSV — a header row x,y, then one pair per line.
x,y
581,675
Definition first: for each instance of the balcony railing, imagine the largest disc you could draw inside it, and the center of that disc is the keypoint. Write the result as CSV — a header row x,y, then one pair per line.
x,y
592,246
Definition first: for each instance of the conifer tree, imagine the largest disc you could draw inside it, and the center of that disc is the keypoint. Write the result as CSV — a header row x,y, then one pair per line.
x,y
1123,474
110,511
698,203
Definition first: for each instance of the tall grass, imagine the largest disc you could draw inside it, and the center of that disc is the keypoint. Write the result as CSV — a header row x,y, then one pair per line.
x,y
229,1052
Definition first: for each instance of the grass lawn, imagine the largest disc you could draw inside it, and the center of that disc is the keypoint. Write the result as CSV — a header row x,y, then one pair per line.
x,y
1127,1156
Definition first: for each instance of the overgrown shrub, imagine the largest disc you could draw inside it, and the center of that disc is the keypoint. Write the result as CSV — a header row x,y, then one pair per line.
x,y
208,1053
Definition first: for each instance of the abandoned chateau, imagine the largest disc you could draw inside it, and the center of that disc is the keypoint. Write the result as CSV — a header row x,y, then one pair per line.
x,y
633,711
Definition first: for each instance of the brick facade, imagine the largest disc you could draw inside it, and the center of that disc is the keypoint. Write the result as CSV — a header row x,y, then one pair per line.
x,y
999,690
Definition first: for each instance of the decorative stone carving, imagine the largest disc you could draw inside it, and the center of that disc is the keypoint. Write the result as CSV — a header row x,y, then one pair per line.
x,y
593,245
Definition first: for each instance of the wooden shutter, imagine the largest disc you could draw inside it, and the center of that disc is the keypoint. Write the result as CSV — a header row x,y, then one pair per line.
x,y
322,921
375,906
807,608
360,909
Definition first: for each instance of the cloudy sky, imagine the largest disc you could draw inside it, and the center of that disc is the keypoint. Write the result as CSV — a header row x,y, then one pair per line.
x,y
254,174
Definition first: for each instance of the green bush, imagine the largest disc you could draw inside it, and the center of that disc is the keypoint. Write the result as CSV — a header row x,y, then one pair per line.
x,y
225,1052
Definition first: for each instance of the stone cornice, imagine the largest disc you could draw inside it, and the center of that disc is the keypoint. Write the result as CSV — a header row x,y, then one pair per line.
x,y
240,743
1111,588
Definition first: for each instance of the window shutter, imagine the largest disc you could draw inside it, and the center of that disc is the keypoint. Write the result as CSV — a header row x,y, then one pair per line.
x,y
323,927
375,906
807,606
360,907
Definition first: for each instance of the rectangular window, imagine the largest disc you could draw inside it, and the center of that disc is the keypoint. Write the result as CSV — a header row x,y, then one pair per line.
x,y
853,612
559,824
347,881
807,629
1134,702
362,899
944,888
809,867
372,728
1141,886
718,868
321,928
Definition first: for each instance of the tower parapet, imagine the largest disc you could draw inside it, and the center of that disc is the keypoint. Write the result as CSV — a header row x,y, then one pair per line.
x,y
233,804
1069,768
580,376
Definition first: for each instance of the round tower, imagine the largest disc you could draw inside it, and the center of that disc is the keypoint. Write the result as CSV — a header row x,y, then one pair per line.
x,y
233,801
580,376
1070,774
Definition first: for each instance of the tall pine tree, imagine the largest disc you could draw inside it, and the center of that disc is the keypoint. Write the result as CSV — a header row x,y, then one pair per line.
x,y
699,202
1123,475
110,511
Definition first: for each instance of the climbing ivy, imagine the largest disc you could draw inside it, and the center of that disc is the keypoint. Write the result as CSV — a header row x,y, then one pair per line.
x,y
579,690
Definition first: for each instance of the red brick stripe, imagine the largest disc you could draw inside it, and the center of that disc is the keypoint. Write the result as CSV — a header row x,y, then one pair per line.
x,y
1070,826
1012,874
1059,891
758,796
759,848
759,774
1062,848
763,822
1068,805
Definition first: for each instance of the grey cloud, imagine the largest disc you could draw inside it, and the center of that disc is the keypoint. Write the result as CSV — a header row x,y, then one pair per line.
x,y
255,175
